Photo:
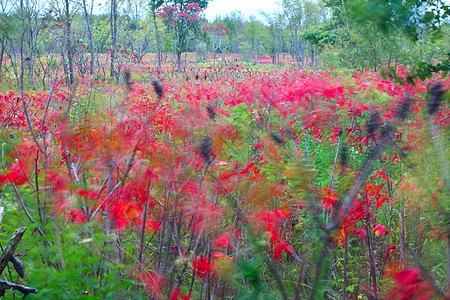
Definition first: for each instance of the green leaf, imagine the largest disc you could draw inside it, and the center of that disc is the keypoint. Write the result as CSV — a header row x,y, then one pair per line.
x,y
350,288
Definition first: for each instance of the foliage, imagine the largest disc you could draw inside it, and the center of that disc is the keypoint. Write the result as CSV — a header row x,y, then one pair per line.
x,y
262,176
421,71
268,181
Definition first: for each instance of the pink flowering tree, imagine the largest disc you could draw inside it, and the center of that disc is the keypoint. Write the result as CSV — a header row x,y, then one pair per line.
x,y
216,33
181,18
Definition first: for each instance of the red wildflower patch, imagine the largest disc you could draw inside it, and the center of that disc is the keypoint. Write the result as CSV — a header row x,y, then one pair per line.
x,y
410,284
16,174
153,283
76,216
329,198
380,229
222,242
278,250
202,267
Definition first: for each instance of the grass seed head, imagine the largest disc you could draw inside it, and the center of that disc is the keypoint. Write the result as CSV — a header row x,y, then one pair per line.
x,y
404,108
436,92
127,79
158,88
388,129
205,149
211,112
373,123
344,156
276,138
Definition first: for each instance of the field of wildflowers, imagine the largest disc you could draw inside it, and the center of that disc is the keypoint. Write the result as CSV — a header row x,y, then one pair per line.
x,y
232,182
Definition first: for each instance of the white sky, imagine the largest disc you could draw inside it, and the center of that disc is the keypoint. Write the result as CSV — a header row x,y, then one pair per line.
x,y
247,7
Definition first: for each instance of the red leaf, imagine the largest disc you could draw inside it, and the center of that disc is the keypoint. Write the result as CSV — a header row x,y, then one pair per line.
x,y
202,266
76,216
378,174
278,251
381,229
222,242
410,284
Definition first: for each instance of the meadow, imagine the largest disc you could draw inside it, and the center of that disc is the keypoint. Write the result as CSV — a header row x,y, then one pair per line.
x,y
238,181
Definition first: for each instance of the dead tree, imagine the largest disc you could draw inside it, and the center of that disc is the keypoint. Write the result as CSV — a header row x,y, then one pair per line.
x,y
8,256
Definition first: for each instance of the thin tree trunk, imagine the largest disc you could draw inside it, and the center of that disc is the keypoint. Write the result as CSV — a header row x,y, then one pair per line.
x,y
21,48
113,23
69,42
158,43
91,36
179,61
345,20
214,56
1,57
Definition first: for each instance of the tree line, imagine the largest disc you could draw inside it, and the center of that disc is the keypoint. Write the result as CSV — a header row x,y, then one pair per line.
x,y
36,37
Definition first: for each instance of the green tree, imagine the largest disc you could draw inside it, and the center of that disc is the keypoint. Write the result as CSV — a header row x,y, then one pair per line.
x,y
254,33
235,22
8,29
182,17
275,28
300,15
378,32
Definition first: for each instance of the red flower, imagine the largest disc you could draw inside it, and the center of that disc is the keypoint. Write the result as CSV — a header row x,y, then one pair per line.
x,y
175,295
411,285
150,225
278,251
223,242
329,198
202,266
76,216
154,283
381,229
16,174
259,145
390,247
378,174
